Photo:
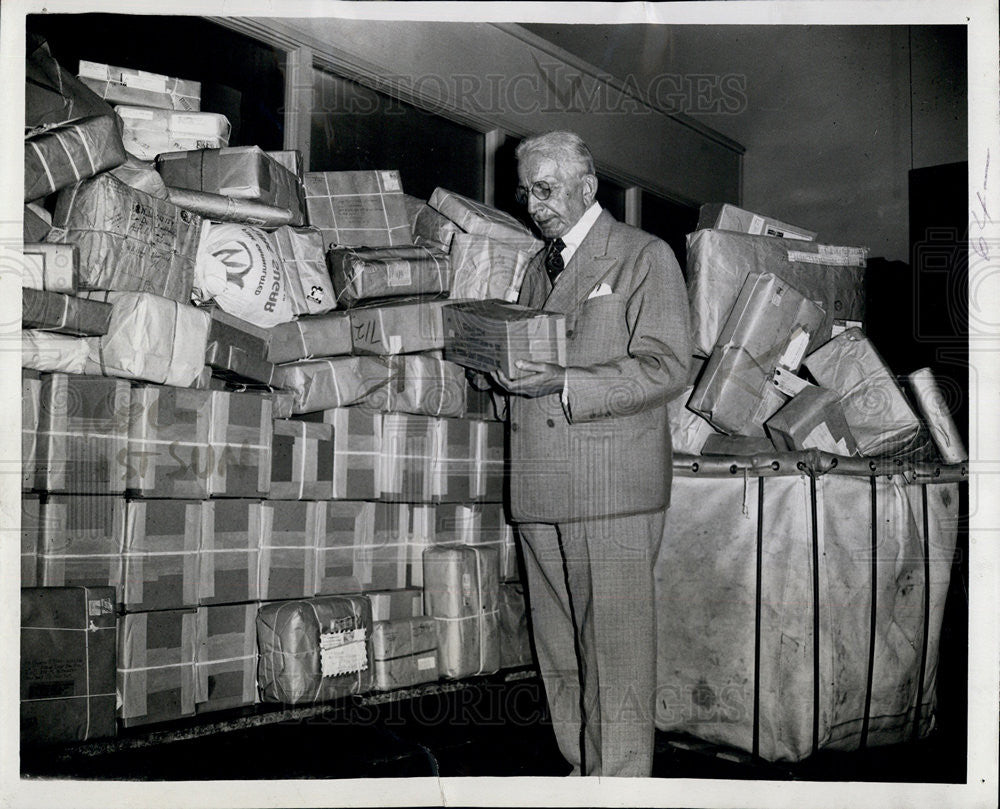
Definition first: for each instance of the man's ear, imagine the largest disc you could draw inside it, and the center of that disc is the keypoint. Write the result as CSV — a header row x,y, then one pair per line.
x,y
590,184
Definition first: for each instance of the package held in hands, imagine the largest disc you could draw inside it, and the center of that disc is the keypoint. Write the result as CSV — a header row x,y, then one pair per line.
x,y
64,314
404,653
483,268
363,273
461,593
314,650
239,456
720,261
58,156
484,220
31,414
399,327
236,350
327,383
67,664
326,335
122,85
149,131
226,657
723,216
358,208
301,461
362,549
127,240
813,419
392,605
50,266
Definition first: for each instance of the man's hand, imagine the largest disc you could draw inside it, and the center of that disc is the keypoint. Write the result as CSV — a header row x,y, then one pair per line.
x,y
542,379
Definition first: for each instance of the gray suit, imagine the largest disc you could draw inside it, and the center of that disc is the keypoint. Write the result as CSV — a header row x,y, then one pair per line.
x,y
589,483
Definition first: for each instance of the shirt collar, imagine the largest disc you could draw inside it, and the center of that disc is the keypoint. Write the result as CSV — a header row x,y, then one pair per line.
x,y
576,234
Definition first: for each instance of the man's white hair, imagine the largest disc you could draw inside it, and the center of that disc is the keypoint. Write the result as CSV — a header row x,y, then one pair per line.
x,y
561,146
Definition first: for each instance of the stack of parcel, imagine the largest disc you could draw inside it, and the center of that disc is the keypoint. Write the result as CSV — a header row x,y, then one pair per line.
x,y
248,473
813,519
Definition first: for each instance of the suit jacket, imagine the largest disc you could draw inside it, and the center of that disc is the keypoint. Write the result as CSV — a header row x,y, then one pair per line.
x,y
605,449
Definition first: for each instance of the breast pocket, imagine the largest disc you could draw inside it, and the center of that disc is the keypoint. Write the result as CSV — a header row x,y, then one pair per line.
x,y
600,331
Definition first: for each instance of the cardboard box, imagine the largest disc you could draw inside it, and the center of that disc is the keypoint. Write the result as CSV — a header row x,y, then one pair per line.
x,y
327,383
358,208
408,446
238,172
156,652
240,444
82,434
226,657
31,538
149,132
357,451
122,85
483,268
515,642
307,280
81,542
236,350
366,273
232,536
326,335
461,593
490,462
50,266
878,414
454,468
127,239
422,384
475,217
292,532
491,335
64,314
31,412
404,653
314,650
769,327
161,550
417,526
724,216
67,664
67,153
813,419
401,327
394,605
363,549
301,461
229,209
719,263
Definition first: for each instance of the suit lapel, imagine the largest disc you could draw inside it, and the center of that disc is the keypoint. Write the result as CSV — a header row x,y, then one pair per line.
x,y
588,266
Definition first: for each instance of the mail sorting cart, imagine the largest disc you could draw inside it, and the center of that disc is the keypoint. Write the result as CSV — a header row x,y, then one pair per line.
x,y
800,600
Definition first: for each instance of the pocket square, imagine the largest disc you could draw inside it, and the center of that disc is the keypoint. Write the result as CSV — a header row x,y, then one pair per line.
x,y
600,289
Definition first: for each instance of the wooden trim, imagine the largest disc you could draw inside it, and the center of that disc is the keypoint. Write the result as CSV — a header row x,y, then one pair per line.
x,y
299,85
633,205
494,140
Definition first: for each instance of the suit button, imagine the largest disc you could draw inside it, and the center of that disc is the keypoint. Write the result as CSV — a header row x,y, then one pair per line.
x,y
513,428
550,422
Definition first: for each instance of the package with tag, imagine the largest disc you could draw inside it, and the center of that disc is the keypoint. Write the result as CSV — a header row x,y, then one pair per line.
x,y
515,643
31,414
239,443
60,155
37,223
688,430
161,553
150,131
490,468
357,451
156,653
314,650
50,266
454,469
82,434
64,314
720,261
429,228
769,327
399,327
127,240
365,273
484,220
31,537
877,412
53,95
482,268
408,444
326,335
358,208
226,657
301,461
404,653
491,335
813,419
231,539
394,605
81,542
461,593
421,384
934,408
67,664
236,350
307,278
322,384
723,216
122,85
239,172
292,531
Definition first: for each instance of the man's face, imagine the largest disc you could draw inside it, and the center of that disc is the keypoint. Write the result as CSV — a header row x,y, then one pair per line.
x,y
572,193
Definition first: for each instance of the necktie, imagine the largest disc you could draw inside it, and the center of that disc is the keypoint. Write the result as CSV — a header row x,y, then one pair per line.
x,y
553,258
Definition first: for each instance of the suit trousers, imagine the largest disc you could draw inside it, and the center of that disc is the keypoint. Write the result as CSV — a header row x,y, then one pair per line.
x,y
590,590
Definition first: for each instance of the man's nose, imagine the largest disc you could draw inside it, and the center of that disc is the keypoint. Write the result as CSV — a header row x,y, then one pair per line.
x,y
534,204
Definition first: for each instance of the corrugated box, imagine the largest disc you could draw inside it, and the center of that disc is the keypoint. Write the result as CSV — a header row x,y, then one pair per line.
x,y
55,157
720,261
688,430
127,239
50,266
490,462
292,532
301,461
122,85
454,468
515,642
877,412
161,551
417,526
483,268
365,273
31,537
314,650
813,419
232,536
475,217
64,314
769,327
422,384
487,335
355,208
226,657
461,593
240,444
393,605
404,653
363,549
326,335
327,383
237,350
307,279
67,664
156,652
408,444
31,407
149,132
724,216
401,327
357,451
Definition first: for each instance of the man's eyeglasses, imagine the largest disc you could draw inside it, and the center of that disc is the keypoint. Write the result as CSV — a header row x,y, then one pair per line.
x,y
540,190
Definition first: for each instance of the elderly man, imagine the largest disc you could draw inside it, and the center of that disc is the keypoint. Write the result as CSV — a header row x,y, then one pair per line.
x,y
590,456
